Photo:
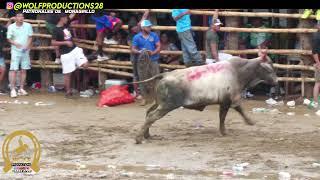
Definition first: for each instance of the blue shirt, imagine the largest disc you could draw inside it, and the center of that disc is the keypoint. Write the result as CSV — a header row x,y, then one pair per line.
x,y
147,43
184,23
210,20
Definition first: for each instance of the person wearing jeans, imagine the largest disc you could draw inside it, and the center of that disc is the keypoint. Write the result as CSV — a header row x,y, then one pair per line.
x,y
134,29
134,60
191,56
145,42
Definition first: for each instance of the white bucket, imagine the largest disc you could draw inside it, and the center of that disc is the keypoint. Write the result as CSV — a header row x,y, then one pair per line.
x,y
111,82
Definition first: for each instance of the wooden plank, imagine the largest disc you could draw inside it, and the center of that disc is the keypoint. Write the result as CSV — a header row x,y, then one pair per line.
x,y
224,13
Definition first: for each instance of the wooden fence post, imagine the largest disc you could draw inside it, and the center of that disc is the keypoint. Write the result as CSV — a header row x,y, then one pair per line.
x,y
46,74
102,76
305,43
233,37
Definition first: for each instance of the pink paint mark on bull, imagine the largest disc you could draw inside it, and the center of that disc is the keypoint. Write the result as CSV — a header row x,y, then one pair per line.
x,y
199,72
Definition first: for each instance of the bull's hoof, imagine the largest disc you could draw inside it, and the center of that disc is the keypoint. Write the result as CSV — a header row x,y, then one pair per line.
x,y
147,135
249,122
138,140
223,132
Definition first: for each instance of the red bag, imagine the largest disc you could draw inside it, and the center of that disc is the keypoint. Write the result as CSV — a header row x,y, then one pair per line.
x,y
115,95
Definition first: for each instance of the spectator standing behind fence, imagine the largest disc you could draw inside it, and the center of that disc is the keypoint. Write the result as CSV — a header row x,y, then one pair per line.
x,y
212,42
256,40
146,41
19,35
71,56
191,56
2,62
315,54
259,39
51,22
133,30
106,26
3,37
168,46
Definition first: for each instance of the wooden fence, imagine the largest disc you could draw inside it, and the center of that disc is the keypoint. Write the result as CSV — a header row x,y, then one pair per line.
x,y
121,68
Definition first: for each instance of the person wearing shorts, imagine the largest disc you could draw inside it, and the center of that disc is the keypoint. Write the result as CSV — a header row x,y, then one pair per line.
x,y
71,56
19,35
105,26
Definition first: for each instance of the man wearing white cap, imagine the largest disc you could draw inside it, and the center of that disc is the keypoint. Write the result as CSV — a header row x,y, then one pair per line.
x,y
146,41
212,43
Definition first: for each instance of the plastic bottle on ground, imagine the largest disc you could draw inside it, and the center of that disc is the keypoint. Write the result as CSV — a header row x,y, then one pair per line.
x,y
51,89
284,176
310,104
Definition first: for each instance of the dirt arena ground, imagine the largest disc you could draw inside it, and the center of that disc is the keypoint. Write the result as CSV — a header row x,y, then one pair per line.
x,y
82,141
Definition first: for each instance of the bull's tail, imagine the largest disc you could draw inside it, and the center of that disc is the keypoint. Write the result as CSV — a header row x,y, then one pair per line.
x,y
158,76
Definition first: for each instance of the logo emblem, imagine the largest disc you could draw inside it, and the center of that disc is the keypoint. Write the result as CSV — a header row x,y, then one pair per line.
x,y
9,5
67,34
21,152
